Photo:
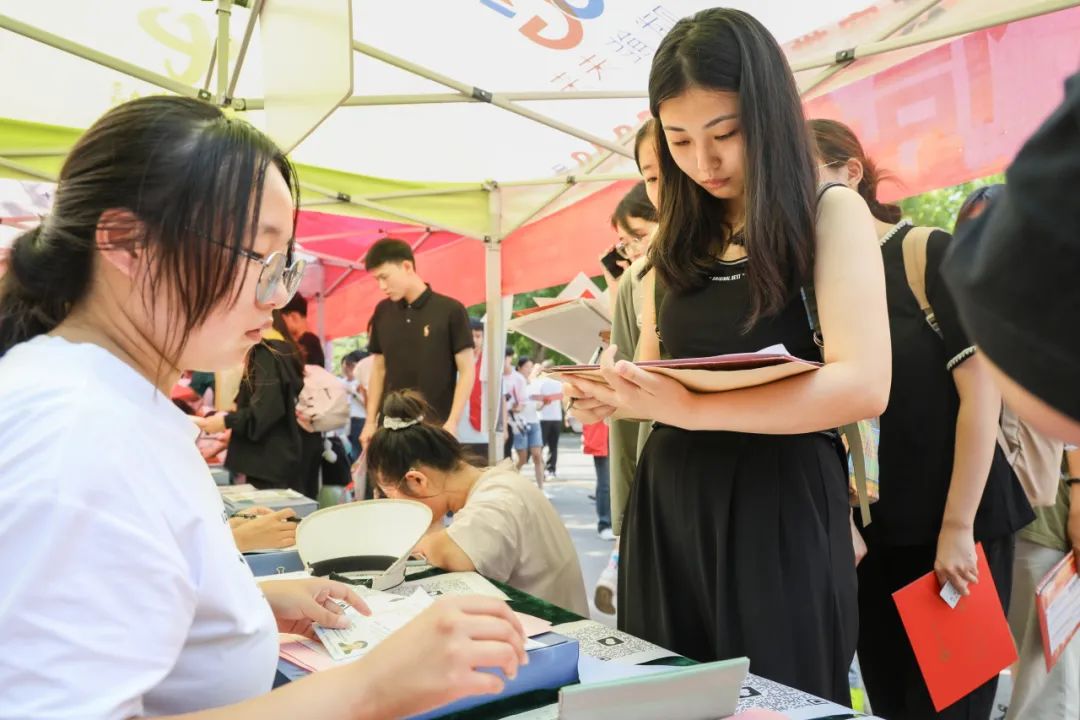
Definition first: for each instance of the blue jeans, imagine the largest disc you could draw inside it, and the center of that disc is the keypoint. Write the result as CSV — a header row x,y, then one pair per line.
x,y
603,491
529,439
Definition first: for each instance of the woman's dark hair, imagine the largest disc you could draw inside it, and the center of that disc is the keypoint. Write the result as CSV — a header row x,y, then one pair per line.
x,y
635,204
837,143
191,179
728,50
293,353
976,204
648,131
391,454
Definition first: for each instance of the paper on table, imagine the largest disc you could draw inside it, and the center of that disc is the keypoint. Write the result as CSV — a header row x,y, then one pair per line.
x,y
610,645
719,373
957,649
306,654
295,575
759,693
366,632
533,625
456,583
1057,598
594,670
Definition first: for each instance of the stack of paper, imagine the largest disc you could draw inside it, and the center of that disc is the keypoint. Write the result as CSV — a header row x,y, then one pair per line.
x,y
1058,600
717,373
570,323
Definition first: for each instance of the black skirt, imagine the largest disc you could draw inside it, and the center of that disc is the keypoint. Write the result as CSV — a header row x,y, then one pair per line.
x,y
740,545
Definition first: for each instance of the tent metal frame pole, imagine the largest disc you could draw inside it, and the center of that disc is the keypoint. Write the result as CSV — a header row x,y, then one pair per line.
x,y
320,203
256,8
943,32
445,98
360,202
425,193
494,332
485,96
86,53
889,32
575,179
27,170
596,162
224,14
33,152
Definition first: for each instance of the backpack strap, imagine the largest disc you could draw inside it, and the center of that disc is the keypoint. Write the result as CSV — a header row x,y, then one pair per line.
x,y
914,249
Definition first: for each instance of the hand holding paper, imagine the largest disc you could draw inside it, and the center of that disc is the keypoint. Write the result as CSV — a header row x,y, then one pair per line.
x,y
631,391
956,562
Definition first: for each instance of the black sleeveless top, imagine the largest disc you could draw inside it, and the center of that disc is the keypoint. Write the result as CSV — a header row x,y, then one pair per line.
x,y
709,320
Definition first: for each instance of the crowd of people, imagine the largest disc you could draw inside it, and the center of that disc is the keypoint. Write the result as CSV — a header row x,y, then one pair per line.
x,y
170,248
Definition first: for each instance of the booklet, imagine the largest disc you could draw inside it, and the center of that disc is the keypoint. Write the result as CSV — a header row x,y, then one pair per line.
x,y
1057,598
718,373
959,642
571,327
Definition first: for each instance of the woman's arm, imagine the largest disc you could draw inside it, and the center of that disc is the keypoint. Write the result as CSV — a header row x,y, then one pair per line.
x,y
648,347
441,551
852,385
976,439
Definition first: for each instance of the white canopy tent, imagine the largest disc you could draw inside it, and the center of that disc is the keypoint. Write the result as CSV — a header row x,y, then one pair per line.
x,y
483,119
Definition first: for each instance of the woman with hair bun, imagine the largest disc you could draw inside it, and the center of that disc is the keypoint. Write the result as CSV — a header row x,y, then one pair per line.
x,y
503,527
945,484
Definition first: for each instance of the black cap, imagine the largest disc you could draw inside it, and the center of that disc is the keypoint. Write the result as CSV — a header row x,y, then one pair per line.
x,y
1015,271
476,324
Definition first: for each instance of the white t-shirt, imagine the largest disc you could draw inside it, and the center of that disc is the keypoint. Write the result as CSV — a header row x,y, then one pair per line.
x,y
123,592
356,408
519,390
512,534
551,411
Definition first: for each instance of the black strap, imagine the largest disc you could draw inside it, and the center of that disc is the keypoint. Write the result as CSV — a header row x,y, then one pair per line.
x,y
809,297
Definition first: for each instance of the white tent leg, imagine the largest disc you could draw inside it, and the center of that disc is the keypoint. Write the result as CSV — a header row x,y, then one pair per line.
x,y
494,332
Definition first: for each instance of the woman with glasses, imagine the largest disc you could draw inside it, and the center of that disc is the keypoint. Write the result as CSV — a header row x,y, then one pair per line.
x,y
634,221
168,246
945,484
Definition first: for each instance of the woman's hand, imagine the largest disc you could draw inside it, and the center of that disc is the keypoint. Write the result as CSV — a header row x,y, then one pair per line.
x,y
211,424
956,560
857,541
440,653
299,603
268,530
635,392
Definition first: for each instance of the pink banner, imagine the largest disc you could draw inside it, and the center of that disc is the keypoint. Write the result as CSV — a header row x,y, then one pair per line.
x,y
962,110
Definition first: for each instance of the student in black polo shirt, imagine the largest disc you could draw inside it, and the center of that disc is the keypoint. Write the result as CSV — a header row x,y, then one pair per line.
x,y
419,339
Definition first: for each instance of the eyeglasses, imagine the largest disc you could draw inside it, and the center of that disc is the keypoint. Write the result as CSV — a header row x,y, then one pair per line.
x,y
276,271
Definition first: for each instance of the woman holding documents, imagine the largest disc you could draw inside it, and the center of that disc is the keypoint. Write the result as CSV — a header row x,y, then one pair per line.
x,y
945,482
503,528
736,538
169,244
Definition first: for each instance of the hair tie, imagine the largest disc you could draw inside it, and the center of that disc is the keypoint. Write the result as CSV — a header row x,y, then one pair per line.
x,y
393,423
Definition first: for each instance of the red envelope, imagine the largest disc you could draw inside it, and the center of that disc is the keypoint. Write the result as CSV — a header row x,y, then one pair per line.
x,y
958,649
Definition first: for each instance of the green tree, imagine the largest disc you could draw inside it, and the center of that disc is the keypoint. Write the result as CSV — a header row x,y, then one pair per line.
x,y
938,208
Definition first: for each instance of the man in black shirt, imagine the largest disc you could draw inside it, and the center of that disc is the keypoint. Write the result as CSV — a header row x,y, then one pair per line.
x,y
294,313
418,340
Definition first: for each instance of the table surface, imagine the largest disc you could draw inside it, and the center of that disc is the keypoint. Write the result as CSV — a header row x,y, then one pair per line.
x,y
525,603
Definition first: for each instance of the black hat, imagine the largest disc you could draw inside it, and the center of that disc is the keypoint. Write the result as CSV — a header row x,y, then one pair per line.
x,y
1015,271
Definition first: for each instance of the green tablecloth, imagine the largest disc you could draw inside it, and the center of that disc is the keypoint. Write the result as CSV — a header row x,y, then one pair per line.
x,y
525,603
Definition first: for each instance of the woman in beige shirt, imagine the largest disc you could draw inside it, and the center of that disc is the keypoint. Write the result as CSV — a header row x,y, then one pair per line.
x,y
503,528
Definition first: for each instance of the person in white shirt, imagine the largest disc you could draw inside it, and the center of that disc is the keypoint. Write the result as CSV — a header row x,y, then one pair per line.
x,y
525,416
503,527
357,391
169,244
551,419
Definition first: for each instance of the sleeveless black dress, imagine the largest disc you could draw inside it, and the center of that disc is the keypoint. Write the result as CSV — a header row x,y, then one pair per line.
x,y
737,544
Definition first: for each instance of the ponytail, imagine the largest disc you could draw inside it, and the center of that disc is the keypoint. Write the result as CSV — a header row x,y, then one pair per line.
x,y
837,143
410,434
48,272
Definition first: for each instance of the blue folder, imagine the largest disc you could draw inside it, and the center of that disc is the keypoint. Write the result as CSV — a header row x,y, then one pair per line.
x,y
551,667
